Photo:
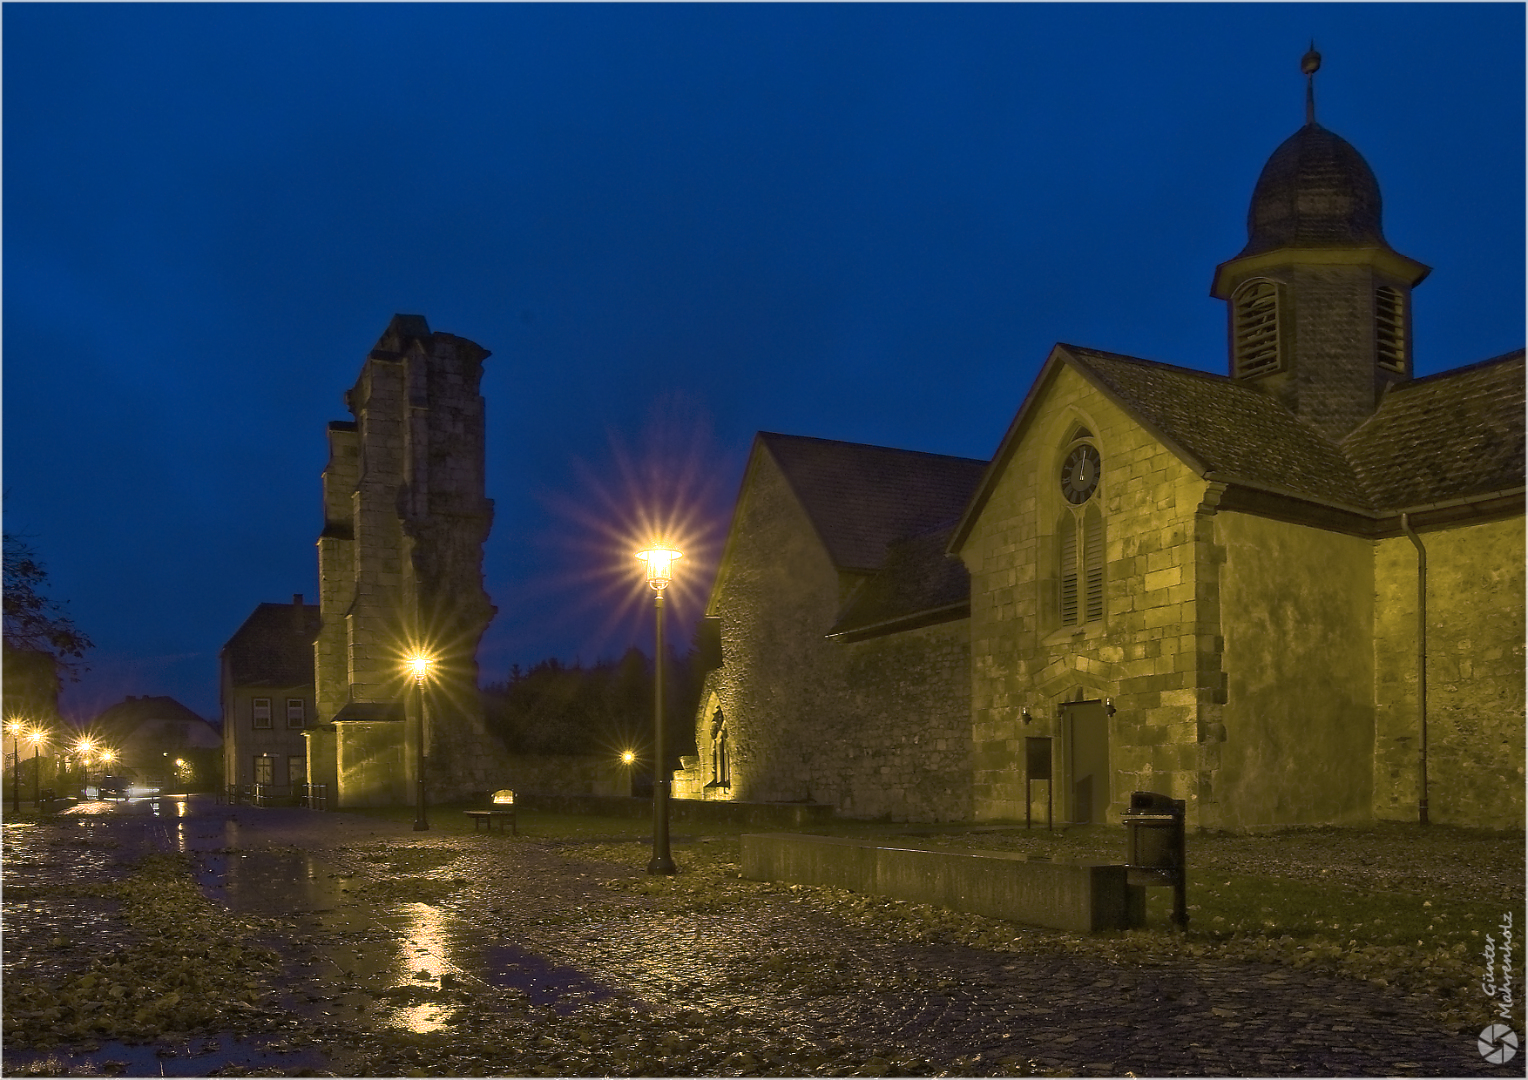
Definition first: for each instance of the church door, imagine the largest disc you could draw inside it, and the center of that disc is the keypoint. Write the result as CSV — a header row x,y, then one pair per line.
x,y
1087,738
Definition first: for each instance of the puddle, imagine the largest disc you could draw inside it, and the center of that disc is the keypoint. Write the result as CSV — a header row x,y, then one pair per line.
x,y
200,1057
268,882
545,983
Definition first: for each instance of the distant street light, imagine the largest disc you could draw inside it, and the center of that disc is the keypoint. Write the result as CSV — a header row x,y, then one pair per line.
x,y
15,727
660,559
627,757
419,667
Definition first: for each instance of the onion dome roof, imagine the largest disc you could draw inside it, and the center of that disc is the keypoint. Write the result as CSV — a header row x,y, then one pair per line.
x,y
1315,191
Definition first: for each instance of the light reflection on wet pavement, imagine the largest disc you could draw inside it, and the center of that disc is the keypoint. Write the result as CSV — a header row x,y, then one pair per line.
x,y
382,929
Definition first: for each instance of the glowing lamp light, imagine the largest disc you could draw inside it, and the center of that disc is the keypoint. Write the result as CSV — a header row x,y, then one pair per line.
x,y
660,559
504,797
419,666
627,757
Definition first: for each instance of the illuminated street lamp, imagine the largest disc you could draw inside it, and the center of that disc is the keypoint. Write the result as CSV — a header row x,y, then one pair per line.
x,y
15,727
37,736
83,749
419,667
660,559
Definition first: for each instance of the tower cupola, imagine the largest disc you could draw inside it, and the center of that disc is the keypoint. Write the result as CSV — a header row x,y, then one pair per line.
x,y
1319,302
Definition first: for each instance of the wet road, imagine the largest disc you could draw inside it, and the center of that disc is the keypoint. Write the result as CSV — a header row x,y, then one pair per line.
x,y
384,931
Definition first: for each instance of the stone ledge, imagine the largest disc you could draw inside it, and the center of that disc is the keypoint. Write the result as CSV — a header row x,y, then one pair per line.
x,y
1067,895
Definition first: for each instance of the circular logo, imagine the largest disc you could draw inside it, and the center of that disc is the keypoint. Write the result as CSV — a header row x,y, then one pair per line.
x,y
1498,1043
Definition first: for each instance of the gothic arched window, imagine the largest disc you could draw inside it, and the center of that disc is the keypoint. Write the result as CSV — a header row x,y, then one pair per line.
x,y
1080,534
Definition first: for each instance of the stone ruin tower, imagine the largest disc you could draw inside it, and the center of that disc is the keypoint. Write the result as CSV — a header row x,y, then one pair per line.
x,y
400,564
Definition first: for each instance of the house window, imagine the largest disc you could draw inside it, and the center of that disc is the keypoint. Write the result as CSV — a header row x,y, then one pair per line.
x,y
1390,329
262,712
297,770
265,767
1255,329
295,716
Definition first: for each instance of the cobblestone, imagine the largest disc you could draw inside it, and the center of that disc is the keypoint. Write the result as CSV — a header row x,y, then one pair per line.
x,y
392,923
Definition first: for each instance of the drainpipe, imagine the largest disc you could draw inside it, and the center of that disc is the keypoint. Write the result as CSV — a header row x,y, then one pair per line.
x,y
1421,663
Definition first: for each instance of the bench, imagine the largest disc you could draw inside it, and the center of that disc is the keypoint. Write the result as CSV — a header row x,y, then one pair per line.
x,y
482,818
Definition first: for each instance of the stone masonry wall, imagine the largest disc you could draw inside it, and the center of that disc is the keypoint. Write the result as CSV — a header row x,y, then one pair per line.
x,y
400,558
1475,676
877,728
1298,619
1156,653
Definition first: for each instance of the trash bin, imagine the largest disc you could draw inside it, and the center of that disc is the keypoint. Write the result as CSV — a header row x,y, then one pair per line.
x,y
1154,853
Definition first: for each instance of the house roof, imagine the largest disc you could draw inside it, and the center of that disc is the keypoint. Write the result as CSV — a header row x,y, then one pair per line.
x,y
274,647
918,584
119,721
1225,426
1457,435
1454,435
862,498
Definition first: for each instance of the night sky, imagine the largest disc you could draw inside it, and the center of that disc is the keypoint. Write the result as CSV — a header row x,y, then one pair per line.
x,y
673,226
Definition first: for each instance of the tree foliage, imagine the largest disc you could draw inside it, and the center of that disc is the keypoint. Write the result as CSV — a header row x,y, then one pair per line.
x,y
34,622
555,708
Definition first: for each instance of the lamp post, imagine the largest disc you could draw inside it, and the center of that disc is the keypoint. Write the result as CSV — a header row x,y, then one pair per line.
x,y
419,665
660,560
37,736
84,748
15,728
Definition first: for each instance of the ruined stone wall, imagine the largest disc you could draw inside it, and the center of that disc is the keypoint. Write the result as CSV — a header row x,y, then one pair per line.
x,y
1475,676
877,728
400,558
1156,652
1297,614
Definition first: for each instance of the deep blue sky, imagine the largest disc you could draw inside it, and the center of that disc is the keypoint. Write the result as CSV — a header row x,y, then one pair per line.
x,y
673,226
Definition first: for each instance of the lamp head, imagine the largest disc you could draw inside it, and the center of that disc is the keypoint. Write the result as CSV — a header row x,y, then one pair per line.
x,y
419,666
660,559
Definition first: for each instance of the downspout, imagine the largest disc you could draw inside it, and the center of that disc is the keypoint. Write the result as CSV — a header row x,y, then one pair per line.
x,y
1421,663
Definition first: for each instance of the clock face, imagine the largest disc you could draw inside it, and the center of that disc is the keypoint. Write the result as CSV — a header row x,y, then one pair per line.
x,y
1079,474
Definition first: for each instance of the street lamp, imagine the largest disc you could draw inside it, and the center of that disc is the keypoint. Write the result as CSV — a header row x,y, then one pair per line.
x,y
15,728
660,559
83,749
419,667
37,736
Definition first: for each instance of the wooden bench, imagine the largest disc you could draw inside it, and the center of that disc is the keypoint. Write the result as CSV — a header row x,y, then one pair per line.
x,y
482,818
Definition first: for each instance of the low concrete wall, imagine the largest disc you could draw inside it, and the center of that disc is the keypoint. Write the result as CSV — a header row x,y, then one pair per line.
x,y
1080,895
688,811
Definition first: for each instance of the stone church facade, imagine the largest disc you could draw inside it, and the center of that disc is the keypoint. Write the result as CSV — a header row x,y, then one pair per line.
x,y
1204,585
400,570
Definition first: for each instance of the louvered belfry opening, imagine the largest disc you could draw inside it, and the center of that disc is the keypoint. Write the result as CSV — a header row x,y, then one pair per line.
x,y
1390,329
1255,329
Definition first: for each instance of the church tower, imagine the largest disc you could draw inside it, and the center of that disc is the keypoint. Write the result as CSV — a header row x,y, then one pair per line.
x,y
1319,303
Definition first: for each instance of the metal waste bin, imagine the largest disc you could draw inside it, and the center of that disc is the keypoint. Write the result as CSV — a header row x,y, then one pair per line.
x,y
1154,853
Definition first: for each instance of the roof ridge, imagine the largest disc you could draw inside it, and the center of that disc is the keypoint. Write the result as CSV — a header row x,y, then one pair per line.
x,y
1504,358
768,435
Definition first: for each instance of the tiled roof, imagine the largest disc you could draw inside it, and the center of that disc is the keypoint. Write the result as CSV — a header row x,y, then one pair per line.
x,y
122,719
862,498
274,647
1228,426
918,578
1448,436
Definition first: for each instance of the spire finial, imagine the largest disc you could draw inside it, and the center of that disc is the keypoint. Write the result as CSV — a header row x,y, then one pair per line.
x,y
1310,63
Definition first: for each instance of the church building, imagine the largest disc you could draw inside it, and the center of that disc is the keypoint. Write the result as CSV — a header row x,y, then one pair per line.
x,y
1288,594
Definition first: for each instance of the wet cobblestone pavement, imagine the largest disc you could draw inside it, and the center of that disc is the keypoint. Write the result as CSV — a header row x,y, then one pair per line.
x,y
401,953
